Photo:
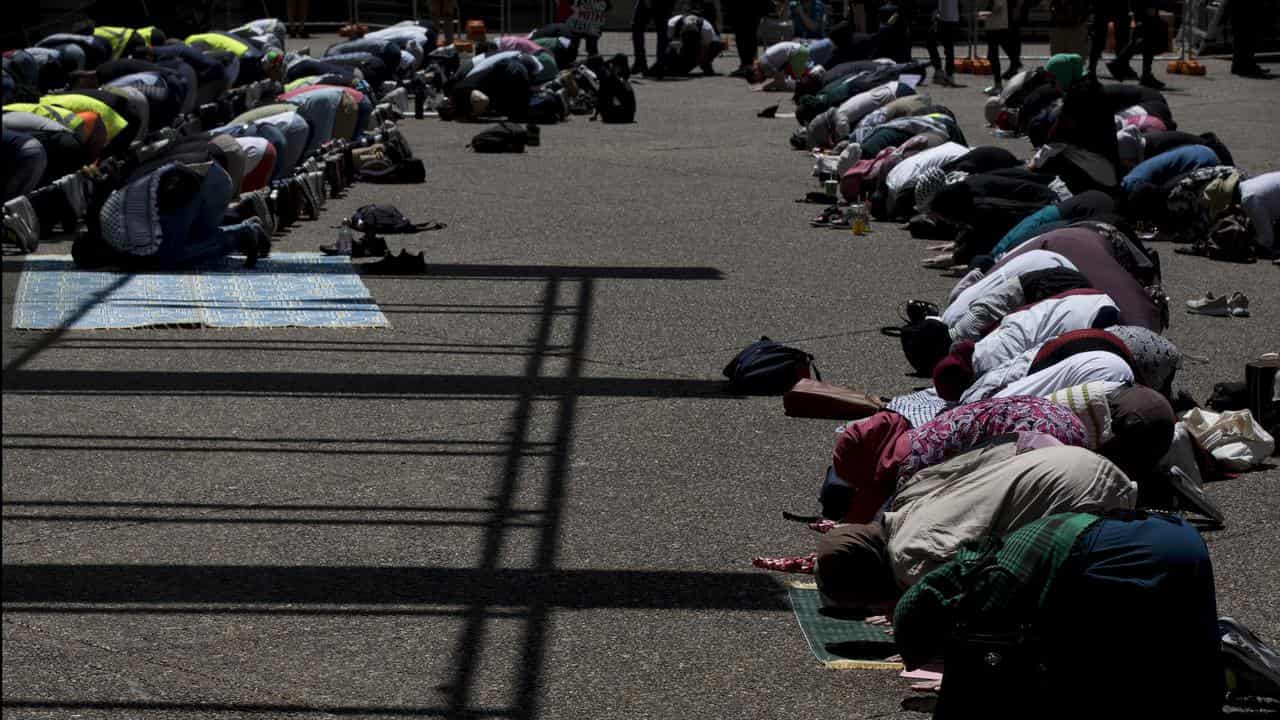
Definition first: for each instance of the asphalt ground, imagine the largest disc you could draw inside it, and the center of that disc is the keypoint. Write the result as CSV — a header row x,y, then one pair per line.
x,y
530,498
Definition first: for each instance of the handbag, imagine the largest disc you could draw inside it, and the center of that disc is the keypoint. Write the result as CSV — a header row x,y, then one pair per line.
x,y
995,672
816,399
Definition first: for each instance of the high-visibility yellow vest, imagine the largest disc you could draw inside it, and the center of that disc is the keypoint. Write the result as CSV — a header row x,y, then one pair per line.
x,y
219,42
113,121
119,38
62,116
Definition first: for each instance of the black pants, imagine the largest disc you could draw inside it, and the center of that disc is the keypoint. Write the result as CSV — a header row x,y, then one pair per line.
x,y
943,32
593,45
746,30
1143,41
646,12
1105,11
1244,34
1006,39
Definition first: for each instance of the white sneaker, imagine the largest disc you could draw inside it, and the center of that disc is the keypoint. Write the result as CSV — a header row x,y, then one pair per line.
x,y
1238,304
1209,305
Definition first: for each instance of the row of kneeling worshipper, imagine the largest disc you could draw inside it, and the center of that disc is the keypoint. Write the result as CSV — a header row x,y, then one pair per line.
x,y
172,152
1037,488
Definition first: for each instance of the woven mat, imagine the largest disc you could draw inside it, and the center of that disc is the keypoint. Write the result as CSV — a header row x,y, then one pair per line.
x,y
284,290
838,643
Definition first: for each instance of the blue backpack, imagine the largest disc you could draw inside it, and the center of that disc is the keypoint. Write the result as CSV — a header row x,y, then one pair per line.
x,y
768,368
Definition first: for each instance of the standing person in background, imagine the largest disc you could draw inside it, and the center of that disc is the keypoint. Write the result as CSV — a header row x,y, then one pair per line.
x,y
1245,19
445,15
1146,40
1000,35
1018,18
1104,12
946,20
808,18
646,12
297,12
745,16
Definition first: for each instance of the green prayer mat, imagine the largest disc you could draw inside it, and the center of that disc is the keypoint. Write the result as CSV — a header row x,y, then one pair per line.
x,y
839,643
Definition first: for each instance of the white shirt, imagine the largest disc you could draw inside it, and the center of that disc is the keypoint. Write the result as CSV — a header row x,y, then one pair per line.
x,y
709,34
1260,197
1044,321
1081,368
1015,266
905,173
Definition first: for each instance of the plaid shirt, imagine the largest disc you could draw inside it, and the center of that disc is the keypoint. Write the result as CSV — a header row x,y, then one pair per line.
x,y
1023,568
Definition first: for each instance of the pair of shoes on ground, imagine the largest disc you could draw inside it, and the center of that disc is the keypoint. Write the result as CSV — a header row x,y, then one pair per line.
x,y
832,217
367,246
1237,305
401,264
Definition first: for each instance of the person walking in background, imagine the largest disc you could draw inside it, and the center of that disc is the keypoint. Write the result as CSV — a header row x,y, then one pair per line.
x,y
1000,35
1104,13
745,17
1146,40
946,20
646,12
445,15
1245,19
297,12
1018,18
808,18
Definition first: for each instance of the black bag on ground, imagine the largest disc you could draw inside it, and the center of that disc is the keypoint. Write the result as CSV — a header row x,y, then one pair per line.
x,y
405,171
505,137
768,368
616,99
384,220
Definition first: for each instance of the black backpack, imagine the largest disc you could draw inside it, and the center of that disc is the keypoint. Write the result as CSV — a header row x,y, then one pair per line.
x,y
767,368
505,137
384,220
615,100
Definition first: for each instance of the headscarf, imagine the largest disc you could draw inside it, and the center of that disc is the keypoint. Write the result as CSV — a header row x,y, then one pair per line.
x,y
1065,68
1155,357
853,565
1142,421
865,463
968,426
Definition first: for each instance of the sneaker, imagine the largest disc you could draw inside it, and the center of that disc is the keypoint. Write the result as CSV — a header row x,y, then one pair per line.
x,y
1257,72
993,90
1013,70
1149,80
741,72
402,264
1121,71
824,220
365,247
1238,303
1209,305
1253,668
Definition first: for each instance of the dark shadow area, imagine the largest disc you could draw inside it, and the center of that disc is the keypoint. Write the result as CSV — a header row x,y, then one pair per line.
x,y
266,709
285,384
475,595
498,587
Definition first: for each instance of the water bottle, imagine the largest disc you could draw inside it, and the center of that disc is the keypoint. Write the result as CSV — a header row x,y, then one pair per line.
x,y
344,239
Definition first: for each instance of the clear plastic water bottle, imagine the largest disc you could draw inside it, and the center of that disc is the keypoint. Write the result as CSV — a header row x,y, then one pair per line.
x,y
345,238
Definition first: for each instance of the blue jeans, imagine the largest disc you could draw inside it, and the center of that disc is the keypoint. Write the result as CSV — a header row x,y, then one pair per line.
x,y
191,232
1131,624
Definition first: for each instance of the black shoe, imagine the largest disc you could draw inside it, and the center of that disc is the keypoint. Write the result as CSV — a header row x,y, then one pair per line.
x,y
1149,80
402,264
741,72
1014,70
639,68
1257,72
707,69
249,248
1121,71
